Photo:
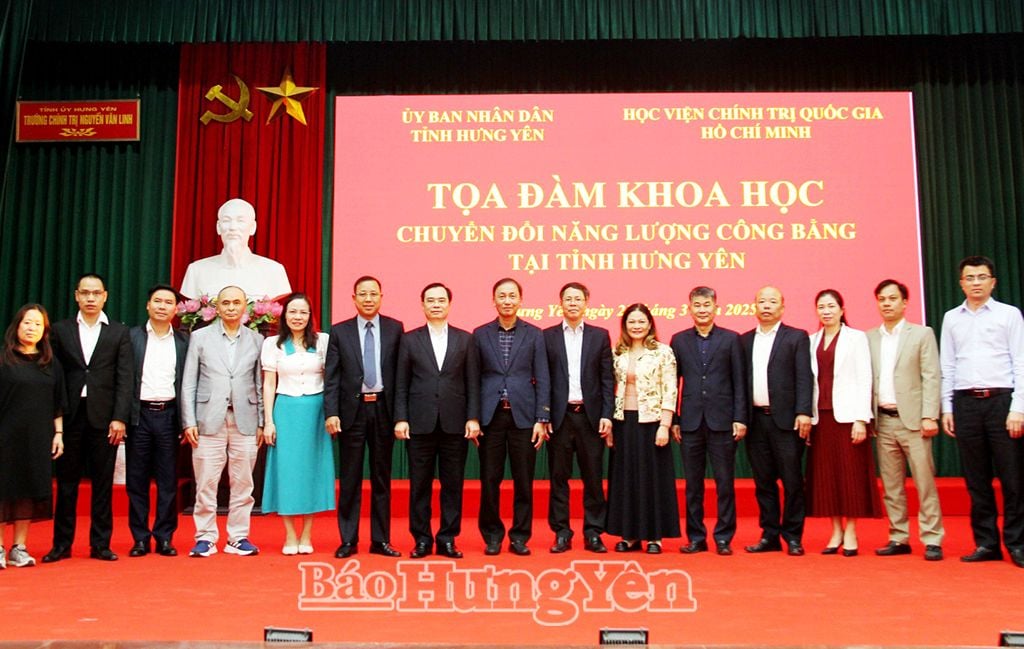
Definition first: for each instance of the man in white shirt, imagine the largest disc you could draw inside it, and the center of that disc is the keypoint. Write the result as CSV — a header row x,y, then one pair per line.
x,y
152,445
906,394
983,407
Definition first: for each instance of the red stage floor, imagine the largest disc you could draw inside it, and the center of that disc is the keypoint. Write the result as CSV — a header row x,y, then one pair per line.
x,y
542,600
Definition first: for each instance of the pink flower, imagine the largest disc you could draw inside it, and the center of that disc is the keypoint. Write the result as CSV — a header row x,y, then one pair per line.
x,y
245,317
260,308
191,306
208,313
276,309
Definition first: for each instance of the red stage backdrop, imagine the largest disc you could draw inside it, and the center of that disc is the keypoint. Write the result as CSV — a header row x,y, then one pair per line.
x,y
226,149
640,196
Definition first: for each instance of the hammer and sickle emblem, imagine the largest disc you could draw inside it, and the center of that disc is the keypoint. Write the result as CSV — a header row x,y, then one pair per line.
x,y
238,108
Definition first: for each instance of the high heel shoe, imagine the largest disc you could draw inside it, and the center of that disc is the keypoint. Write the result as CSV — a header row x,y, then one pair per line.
x,y
849,552
831,549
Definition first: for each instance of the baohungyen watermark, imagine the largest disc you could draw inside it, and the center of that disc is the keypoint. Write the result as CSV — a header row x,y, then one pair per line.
x,y
554,597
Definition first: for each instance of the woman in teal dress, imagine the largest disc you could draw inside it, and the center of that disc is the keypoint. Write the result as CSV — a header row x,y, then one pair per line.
x,y
300,458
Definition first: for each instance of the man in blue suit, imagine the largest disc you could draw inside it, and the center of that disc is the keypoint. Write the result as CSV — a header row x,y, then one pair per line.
x,y
582,400
712,418
515,395
781,384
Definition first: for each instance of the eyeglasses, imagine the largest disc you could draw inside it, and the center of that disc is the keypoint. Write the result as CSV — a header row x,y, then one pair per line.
x,y
362,295
970,279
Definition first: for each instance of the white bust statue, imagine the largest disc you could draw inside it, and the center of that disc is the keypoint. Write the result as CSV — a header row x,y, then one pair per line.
x,y
236,265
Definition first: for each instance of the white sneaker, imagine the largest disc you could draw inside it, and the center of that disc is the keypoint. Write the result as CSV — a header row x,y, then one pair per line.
x,y
3,558
241,547
20,558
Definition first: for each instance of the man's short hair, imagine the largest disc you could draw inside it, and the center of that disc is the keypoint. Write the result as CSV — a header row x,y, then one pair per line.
x,y
78,282
576,285
704,291
366,278
232,286
978,260
506,280
423,293
162,287
900,286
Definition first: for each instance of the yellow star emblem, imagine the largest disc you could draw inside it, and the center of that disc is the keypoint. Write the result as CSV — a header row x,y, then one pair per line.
x,y
289,95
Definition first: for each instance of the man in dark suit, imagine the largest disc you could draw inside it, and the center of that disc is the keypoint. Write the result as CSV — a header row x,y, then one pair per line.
x,y
515,395
152,445
437,408
712,418
96,355
582,400
359,392
781,388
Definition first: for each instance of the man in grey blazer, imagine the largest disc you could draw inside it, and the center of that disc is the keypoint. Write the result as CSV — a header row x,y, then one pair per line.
x,y
906,397
222,413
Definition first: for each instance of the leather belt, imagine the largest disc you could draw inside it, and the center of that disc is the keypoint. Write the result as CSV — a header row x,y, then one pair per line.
x,y
504,404
157,406
370,397
575,407
764,410
888,412
982,393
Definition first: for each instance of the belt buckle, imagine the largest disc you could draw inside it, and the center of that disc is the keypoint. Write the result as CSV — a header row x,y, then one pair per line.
x,y
505,404
369,397
576,407
983,393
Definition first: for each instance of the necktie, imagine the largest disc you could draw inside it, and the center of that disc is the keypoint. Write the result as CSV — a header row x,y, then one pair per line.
x,y
369,358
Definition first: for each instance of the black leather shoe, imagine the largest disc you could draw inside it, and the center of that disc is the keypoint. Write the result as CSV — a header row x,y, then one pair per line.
x,y
933,553
449,550
165,549
519,548
794,549
764,545
626,546
830,549
693,547
653,547
346,550
981,553
892,549
1017,557
723,548
595,544
103,554
56,553
493,549
562,544
384,549
850,552
421,550
140,549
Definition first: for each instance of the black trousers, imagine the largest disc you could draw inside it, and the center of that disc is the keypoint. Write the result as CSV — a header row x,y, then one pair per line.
x,y
447,452
697,447
985,445
502,439
371,429
777,454
576,436
151,452
86,451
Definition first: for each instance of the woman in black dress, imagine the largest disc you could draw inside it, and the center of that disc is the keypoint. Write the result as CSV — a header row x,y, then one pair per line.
x,y
31,428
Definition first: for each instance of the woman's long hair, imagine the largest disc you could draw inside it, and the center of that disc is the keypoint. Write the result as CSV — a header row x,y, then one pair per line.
x,y
650,341
285,332
12,344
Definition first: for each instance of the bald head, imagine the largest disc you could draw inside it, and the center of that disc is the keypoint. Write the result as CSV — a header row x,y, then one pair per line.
x,y
231,304
770,305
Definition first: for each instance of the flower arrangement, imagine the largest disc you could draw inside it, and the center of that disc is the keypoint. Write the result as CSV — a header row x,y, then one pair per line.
x,y
195,314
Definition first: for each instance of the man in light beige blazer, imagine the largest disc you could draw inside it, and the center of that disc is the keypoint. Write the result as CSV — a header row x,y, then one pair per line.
x,y
907,391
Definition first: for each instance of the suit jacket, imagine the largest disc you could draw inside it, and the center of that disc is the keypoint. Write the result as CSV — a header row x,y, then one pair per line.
x,y
718,396
525,378
210,382
343,369
790,380
108,374
139,337
916,377
851,376
424,394
596,377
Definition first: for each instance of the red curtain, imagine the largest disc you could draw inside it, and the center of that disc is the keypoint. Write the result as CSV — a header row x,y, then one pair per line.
x,y
278,167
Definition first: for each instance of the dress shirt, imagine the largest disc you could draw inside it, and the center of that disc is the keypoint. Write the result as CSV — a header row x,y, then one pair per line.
x,y
887,350
505,339
762,352
377,333
983,349
439,342
89,335
159,365
230,342
300,372
574,354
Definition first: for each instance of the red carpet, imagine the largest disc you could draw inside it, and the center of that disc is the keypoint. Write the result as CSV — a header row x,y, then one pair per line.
x,y
769,599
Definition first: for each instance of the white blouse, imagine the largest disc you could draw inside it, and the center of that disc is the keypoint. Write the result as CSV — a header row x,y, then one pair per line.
x,y
299,373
